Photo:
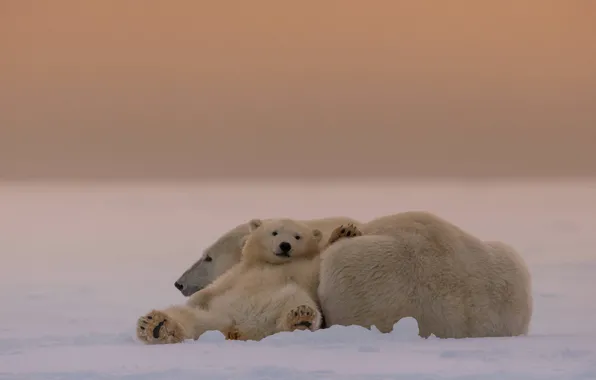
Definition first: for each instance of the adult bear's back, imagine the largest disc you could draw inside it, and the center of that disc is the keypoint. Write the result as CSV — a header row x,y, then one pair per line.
x,y
414,264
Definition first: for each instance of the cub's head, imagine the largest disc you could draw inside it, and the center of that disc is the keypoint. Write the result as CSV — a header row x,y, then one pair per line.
x,y
277,241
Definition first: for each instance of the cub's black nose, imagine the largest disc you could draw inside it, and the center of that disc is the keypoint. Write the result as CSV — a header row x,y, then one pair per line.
x,y
285,246
178,286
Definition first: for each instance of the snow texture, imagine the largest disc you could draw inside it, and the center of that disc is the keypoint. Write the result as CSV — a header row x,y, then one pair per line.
x,y
81,262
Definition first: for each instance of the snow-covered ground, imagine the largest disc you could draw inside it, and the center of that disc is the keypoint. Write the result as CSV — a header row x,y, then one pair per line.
x,y
80,263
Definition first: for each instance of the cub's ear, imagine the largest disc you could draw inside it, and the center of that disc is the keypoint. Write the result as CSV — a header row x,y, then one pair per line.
x,y
242,241
317,234
254,224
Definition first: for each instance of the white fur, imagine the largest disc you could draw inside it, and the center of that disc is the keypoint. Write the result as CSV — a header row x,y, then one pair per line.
x,y
266,292
415,264
225,252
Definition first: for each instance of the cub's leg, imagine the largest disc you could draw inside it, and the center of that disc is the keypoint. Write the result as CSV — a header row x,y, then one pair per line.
x,y
178,323
343,231
298,311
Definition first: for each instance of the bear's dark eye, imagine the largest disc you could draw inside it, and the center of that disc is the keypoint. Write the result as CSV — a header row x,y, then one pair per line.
x,y
208,258
274,233
297,237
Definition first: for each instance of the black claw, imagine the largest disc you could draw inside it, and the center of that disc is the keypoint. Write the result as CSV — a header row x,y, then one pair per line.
x,y
157,328
142,328
349,233
149,317
304,323
343,231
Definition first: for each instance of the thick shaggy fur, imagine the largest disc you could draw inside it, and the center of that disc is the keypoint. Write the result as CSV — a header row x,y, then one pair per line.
x,y
273,288
415,264
224,253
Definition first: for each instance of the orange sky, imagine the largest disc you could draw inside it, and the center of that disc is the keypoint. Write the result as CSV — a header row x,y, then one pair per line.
x,y
233,88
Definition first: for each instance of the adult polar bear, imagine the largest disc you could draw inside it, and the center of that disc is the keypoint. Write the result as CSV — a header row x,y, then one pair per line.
x,y
415,264
226,251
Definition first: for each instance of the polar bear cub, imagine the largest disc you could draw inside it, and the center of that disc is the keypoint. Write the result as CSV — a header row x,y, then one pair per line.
x,y
272,289
226,251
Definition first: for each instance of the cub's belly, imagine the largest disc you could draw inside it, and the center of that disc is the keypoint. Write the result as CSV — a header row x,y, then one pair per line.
x,y
251,311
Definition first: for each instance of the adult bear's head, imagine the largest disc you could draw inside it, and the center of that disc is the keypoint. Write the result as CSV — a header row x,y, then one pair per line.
x,y
215,261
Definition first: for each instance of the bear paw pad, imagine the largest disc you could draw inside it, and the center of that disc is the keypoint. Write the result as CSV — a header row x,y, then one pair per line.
x,y
302,318
156,328
344,231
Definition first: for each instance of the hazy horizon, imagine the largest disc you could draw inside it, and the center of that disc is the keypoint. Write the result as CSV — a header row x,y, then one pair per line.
x,y
319,89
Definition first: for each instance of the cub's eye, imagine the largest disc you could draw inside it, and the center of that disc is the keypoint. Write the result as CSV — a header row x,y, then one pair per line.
x,y
274,233
208,258
297,237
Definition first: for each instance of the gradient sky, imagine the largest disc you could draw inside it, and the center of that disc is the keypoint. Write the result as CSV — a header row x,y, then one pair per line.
x,y
185,89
